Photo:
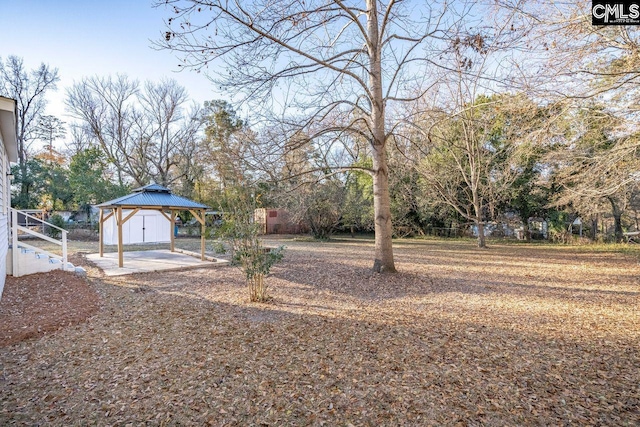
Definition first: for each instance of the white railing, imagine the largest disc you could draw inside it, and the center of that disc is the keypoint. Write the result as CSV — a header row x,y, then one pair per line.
x,y
16,229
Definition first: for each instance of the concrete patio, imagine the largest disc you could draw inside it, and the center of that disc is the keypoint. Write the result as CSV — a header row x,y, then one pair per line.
x,y
152,260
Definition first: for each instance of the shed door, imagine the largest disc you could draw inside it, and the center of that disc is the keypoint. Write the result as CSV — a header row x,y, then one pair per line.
x,y
142,229
135,229
150,231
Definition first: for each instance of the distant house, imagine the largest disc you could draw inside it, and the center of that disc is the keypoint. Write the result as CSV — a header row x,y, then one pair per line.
x,y
8,154
277,221
65,215
89,216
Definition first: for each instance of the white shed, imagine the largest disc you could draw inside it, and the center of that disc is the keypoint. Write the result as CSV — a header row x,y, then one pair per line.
x,y
145,226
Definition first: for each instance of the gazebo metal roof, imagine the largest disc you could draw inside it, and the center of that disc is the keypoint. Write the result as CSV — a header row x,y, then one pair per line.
x,y
152,196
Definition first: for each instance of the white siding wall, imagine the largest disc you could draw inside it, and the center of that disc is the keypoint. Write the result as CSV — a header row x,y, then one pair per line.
x,y
5,200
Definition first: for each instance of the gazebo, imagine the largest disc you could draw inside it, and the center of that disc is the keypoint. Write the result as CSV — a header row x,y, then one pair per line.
x,y
150,197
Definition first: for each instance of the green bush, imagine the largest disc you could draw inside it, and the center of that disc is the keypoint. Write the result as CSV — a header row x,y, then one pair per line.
x,y
241,234
256,262
58,221
218,247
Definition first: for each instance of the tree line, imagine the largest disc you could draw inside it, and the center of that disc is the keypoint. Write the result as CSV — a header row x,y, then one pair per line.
x,y
392,117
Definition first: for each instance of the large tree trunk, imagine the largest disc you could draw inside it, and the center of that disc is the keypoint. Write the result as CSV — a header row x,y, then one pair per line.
x,y
24,184
617,227
477,206
594,228
382,211
482,243
617,220
22,161
525,230
383,261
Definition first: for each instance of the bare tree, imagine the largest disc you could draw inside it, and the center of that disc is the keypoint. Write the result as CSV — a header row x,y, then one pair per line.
x,y
321,207
81,138
105,105
463,123
145,133
459,163
172,131
338,66
29,89
568,57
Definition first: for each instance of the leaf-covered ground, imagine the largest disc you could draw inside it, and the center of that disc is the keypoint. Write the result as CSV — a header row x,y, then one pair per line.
x,y
42,303
513,335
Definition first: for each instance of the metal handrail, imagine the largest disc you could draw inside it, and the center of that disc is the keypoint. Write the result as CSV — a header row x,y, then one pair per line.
x,y
15,227
38,219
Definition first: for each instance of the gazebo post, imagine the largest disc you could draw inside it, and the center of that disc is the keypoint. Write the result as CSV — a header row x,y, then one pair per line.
x,y
200,215
101,232
120,245
202,235
172,231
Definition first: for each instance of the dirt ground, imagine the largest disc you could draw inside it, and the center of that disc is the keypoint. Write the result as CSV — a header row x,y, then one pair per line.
x,y
512,335
42,303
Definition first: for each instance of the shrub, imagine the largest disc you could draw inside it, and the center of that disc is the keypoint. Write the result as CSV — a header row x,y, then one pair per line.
x,y
241,234
58,221
256,262
218,246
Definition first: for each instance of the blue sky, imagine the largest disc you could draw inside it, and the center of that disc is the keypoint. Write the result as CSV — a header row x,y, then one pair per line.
x,y
89,37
